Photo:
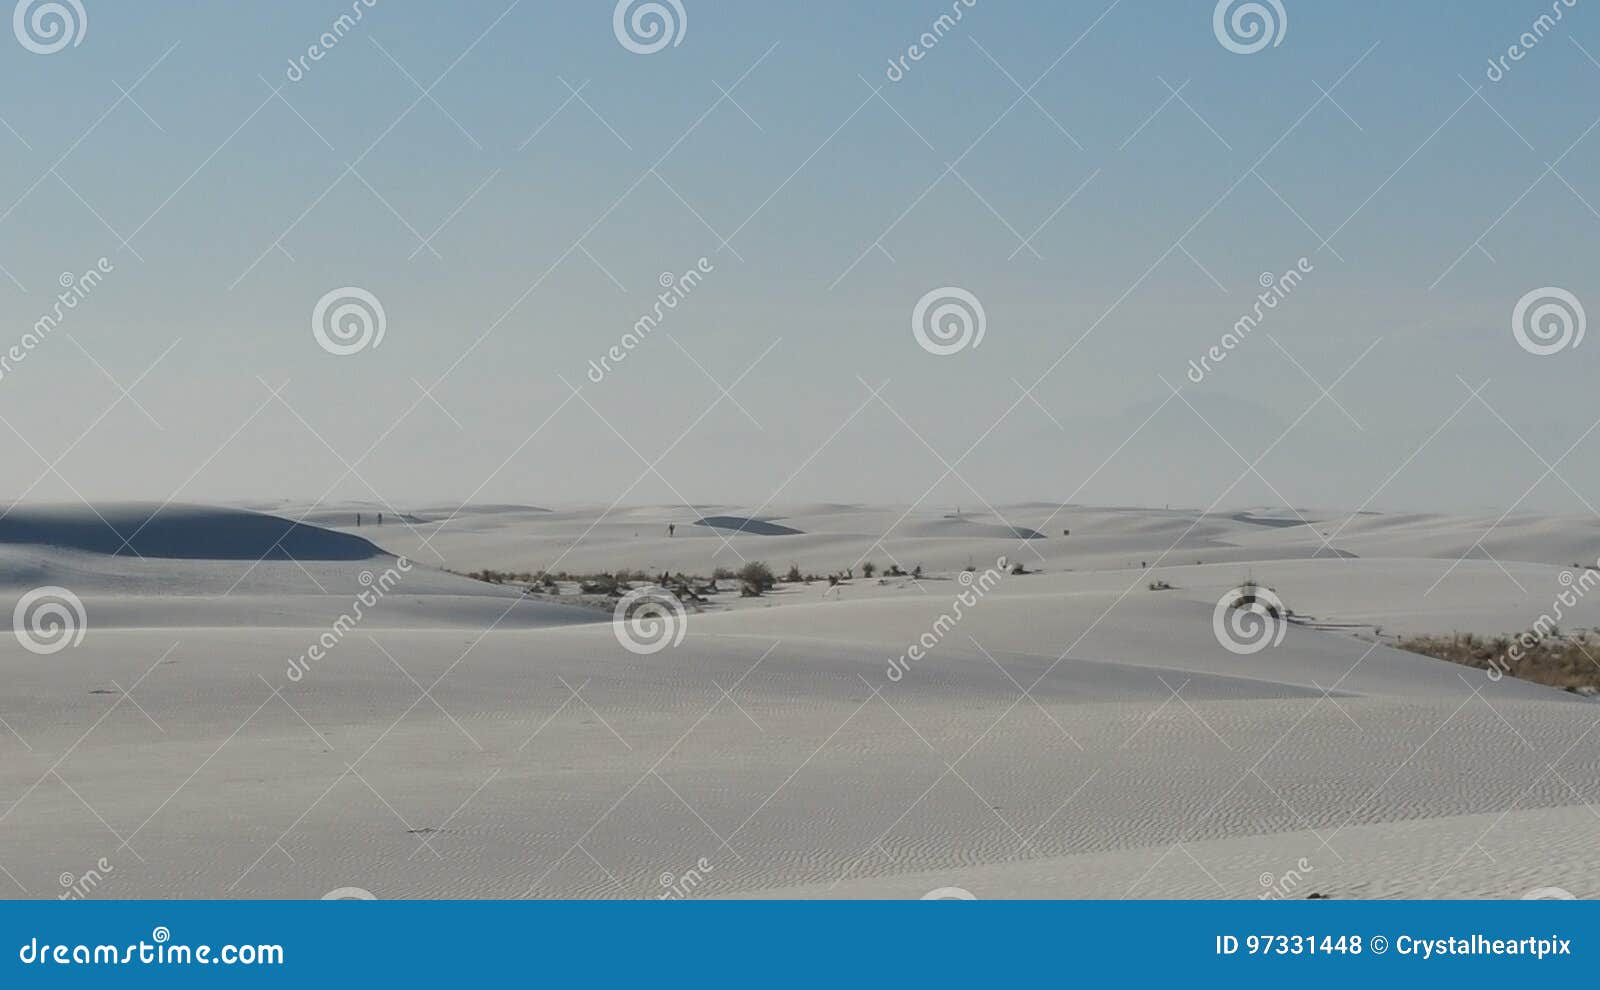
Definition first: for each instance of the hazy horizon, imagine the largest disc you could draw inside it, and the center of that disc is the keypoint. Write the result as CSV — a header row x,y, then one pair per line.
x,y
515,222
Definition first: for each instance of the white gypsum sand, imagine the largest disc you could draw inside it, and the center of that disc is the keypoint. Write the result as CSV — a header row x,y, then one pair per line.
x,y
1073,734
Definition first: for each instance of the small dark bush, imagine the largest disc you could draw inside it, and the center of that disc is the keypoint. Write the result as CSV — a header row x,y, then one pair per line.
x,y
756,578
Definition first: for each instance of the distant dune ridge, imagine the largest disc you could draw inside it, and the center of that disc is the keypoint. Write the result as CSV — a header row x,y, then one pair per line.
x,y
178,566
180,531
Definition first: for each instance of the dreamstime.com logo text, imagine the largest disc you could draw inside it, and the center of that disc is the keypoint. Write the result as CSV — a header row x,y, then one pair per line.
x,y
1276,888
1275,289
975,587
674,290
1576,587
648,620
77,888
159,951
1542,25
376,587
45,27
74,290
682,885
1248,27
647,27
929,39
1548,321
49,619
329,39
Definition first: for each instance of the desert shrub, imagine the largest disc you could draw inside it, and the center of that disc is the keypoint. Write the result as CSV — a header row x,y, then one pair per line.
x,y
1017,568
792,576
1544,657
868,569
723,574
757,575
1248,593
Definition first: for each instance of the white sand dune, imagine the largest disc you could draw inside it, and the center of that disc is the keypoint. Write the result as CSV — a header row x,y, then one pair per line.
x,y
1074,734
176,566
178,531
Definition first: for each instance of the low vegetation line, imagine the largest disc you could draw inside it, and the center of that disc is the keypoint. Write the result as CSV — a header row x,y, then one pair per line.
x,y
753,580
1551,657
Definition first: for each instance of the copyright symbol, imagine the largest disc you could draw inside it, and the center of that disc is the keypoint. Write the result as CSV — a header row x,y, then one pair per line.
x,y
1380,945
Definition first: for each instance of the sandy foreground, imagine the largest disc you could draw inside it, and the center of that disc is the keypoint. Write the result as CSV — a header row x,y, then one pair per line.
x,y
1072,734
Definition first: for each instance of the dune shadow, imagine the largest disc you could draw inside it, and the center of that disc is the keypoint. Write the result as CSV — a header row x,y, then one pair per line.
x,y
175,531
743,524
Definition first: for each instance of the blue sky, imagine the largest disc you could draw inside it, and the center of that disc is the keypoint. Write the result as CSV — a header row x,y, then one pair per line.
x,y
825,211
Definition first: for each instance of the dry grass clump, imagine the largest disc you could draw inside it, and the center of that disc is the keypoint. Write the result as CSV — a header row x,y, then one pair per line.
x,y
755,579
1559,660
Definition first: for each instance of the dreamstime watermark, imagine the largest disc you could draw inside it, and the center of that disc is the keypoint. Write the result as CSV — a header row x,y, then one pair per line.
x,y
679,887
1248,619
77,888
976,586
1275,289
1549,894
74,290
329,39
929,39
1285,884
160,950
49,619
948,320
1576,586
674,290
1248,27
647,27
1548,320
45,27
949,894
376,587
348,320
349,894
1529,40
648,620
